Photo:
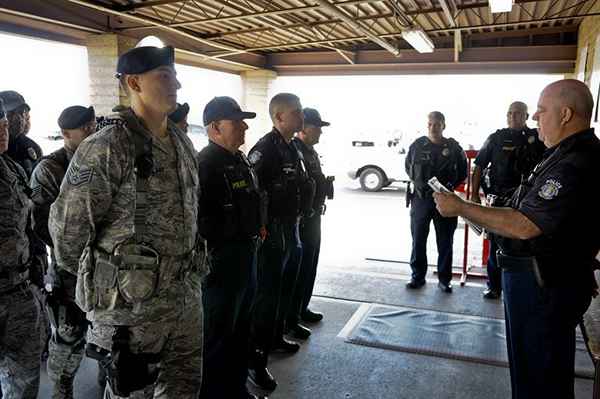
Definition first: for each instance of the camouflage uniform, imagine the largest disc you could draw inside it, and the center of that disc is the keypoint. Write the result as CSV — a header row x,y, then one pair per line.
x,y
94,215
19,325
67,345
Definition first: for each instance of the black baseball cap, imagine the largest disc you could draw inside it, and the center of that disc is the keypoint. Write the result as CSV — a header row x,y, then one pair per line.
x,y
143,59
312,117
180,113
13,101
220,108
2,110
76,116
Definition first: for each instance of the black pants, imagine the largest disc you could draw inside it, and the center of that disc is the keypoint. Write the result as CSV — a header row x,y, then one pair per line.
x,y
289,284
540,335
228,297
422,212
493,270
273,256
310,236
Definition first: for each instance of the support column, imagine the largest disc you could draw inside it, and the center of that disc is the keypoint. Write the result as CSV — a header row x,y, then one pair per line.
x,y
103,52
255,98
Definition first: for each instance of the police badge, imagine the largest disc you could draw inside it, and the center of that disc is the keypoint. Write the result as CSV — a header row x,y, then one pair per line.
x,y
531,139
446,152
255,157
550,189
32,154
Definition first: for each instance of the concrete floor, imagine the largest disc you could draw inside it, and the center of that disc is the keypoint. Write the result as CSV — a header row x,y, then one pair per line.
x,y
373,225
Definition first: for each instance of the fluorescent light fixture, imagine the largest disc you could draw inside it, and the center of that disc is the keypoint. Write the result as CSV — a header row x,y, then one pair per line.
x,y
419,40
500,5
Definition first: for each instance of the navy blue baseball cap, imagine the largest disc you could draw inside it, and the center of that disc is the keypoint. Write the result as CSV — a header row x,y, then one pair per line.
x,y
76,116
13,101
224,108
143,59
180,113
312,117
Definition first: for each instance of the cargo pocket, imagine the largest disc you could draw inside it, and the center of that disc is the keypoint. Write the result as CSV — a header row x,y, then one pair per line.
x,y
85,292
105,281
137,283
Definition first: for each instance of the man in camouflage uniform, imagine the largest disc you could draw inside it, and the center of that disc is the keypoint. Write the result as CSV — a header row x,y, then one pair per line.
x,y
19,325
125,222
68,322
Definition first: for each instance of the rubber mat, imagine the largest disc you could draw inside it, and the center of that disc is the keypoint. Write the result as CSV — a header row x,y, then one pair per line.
x,y
448,335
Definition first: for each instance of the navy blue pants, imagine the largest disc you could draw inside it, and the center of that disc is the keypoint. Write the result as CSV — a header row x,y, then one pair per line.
x,y
310,236
493,270
228,297
273,258
540,335
422,212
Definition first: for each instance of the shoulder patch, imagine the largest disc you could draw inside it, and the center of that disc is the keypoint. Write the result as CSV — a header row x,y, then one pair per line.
x,y
550,189
255,157
77,176
446,152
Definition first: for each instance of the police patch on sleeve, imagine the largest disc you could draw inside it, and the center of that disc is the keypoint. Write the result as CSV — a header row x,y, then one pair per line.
x,y
550,189
255,157
77,176
445,152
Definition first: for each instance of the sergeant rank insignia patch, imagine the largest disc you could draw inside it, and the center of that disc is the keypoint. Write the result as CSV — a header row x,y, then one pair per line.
x,y
77,176
550,189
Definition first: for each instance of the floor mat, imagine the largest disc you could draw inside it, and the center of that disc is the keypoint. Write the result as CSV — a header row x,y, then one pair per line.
x,y
454,336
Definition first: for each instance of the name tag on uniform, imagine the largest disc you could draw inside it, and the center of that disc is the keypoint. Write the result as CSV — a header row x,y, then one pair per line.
x,y
239,184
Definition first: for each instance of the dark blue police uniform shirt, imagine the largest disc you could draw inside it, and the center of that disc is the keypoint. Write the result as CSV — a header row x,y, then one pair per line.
x,y
561,199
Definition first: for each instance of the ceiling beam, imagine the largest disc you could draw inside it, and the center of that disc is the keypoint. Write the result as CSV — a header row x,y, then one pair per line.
x,y
399,33
199,22
49,20
448,13
461,7
357,26
156,24
145,4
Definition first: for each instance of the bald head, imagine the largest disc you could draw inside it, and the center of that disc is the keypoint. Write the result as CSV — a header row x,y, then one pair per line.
x,y
573,94
516,117
564,108
286,113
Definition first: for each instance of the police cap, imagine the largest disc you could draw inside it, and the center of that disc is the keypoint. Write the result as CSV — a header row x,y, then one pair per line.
x,y
312,117
143,59
224,108
180,113
13,101
76,116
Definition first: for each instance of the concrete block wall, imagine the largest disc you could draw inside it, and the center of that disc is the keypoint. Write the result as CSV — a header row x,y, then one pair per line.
x,y
103,53
255,98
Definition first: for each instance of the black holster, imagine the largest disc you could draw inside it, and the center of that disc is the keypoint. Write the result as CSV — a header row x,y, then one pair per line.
x,y
126,372
520,263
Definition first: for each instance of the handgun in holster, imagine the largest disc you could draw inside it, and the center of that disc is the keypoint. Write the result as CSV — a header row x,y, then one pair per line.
x,y
126,372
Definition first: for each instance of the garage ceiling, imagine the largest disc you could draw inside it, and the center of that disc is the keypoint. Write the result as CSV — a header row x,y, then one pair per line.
x,y
325,36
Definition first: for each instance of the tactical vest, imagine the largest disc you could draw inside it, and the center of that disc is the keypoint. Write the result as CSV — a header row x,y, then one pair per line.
x,y
284,201
513,159
427,164
313,169
241,204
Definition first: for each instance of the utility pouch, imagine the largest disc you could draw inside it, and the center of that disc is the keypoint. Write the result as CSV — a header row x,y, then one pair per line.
x,y
85,290
137,276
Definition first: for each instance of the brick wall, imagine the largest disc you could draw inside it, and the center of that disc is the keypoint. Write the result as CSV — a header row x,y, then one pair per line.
x,y
255,98
587,35
103,53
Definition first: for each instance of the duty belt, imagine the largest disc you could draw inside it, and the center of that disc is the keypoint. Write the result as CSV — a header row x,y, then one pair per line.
x,y
513,264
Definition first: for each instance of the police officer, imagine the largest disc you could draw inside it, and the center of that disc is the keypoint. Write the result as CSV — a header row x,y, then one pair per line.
x,y
179,116
68,322
433,156
547,251
125,223
230,220
310,226
280,173
21,149
507,157
20,346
